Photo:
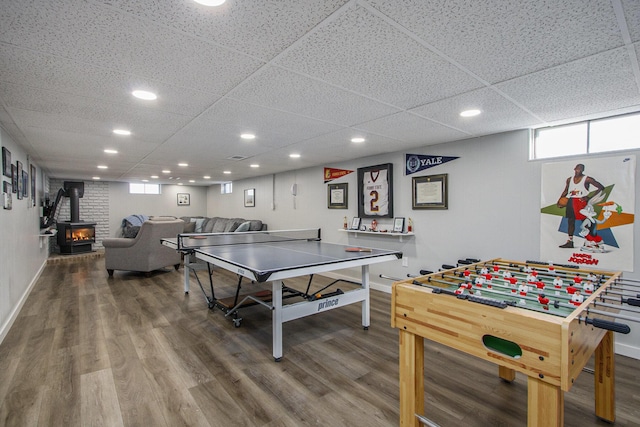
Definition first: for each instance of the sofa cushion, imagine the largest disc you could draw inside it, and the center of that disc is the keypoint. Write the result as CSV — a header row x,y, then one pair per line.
x,y
245,226
232,224
256,225
130,231
189,227
220,225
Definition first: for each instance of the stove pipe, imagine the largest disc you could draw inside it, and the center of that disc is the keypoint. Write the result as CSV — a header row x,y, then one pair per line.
x,y
74,190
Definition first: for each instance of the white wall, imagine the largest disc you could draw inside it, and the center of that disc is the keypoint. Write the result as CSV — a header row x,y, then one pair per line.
x,y
494,209
22,257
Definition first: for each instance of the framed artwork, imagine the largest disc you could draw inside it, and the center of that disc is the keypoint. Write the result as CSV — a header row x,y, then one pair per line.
x,y
337,196
25,184
398,225
184,199
375,191
14,179
6,195
19,179
6,162
355,224
249,198
33,185
430,192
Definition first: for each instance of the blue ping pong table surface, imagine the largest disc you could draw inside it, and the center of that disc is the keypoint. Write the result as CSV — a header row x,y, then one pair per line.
x,y
264,259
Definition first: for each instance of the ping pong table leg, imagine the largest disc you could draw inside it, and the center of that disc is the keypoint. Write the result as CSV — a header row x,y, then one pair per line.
x,y
276,316
186,272
365,303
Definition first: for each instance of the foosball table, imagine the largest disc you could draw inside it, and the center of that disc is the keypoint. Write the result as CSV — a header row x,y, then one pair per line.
x,y
543,320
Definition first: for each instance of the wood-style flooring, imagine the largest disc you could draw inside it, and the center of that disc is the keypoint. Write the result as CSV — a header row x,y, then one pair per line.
x,y
87,350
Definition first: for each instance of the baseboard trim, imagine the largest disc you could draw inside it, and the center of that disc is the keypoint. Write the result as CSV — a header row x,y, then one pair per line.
x,y
4,330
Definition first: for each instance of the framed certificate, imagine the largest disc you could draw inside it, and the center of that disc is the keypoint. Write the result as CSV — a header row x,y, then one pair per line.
x,y
430,192
337,196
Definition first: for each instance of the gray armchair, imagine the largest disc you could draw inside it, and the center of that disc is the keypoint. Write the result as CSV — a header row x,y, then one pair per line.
x,y
144,252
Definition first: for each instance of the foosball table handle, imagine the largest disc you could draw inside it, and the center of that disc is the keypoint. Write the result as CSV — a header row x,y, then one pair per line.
x,y
620,328
632,301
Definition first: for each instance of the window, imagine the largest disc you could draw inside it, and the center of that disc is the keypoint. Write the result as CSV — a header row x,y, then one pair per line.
x,y
592,136
135,188
226,188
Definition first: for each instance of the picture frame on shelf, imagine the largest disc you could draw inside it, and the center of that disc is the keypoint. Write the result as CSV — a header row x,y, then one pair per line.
x,y
337,196
250,198
375,191
355,223
430,192
398,225
184,199
6,162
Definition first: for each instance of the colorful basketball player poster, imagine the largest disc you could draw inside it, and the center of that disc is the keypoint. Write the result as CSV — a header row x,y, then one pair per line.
x,y
587,212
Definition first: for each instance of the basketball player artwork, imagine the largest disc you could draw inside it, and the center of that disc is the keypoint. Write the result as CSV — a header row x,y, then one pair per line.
x,y
375,191
587,214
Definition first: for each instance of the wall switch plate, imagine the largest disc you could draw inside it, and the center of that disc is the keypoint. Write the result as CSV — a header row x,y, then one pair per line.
x,y
405,261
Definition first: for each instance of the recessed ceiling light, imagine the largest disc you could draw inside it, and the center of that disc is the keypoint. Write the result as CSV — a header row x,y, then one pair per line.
x,y
226,172
109,151
122,132
166,171
206,177
96,177
180,183
143,94
294,155
192,180
210,2
357,139
247,136
254,166
145,180
154,176
103,167
469,113
183,165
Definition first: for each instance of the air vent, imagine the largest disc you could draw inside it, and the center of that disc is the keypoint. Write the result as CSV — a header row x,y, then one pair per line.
x,y
236,158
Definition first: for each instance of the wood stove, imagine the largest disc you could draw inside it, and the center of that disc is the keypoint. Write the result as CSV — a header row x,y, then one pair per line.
x,y
75,236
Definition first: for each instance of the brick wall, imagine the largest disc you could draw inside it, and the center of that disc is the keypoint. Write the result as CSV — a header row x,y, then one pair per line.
x,y
94,207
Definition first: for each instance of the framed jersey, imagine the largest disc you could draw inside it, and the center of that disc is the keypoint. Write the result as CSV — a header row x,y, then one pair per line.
x,y
375,191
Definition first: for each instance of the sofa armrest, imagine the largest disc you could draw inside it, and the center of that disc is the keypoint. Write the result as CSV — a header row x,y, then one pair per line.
x,y
118,242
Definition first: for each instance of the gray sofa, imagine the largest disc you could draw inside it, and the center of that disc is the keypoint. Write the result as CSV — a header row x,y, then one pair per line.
x,y
144,252
200,224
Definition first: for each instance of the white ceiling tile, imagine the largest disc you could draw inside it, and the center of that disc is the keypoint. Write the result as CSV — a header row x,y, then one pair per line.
x,y
361,52
502,39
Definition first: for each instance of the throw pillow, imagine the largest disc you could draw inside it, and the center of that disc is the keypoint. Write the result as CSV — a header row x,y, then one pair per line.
x,y
199,222
189,227
256,225
130,231
245,226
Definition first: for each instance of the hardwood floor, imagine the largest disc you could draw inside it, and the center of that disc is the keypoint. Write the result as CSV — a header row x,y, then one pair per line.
x,y
136,351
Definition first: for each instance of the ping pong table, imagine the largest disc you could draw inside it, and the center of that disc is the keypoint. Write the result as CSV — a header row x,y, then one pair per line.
x,y
273,256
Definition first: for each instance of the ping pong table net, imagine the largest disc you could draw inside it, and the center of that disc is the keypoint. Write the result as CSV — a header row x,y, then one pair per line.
x,y
199,240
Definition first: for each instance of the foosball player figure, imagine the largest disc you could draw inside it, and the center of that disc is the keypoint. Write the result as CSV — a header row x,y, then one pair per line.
x,y
588,287
467,273
557,284
577,279
523,289
506,274
484,270
539,284
571,289
479,281
592,277
576,298
544,301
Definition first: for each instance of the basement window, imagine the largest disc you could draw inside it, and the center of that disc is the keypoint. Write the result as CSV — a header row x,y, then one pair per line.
x,y
136,188
588,137
226,188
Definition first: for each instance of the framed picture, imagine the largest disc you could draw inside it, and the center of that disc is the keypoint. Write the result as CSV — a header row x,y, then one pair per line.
x,y
19,179
14,179
25,184
398,225
6,195
337,196
355,224
250,198
33,185
430,192
184,199
375,191
6,162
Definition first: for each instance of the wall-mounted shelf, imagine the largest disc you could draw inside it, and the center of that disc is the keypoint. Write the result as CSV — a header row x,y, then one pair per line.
x,y
42,235
377,233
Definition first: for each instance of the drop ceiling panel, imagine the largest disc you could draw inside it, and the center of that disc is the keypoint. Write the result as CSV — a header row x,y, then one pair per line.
x,y
581,88
256,27
368,55
502,39
631,10
288,91
498,114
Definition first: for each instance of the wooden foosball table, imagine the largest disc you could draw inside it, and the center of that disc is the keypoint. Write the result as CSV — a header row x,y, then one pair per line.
x,y
518,316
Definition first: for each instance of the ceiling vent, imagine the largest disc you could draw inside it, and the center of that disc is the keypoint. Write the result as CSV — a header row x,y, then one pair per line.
x,y
236,158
